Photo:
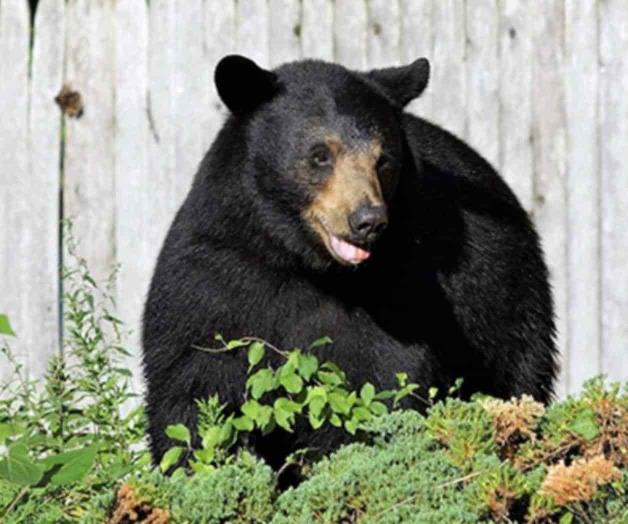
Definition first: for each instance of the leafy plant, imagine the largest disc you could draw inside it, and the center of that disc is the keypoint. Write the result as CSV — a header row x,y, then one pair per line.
x,y
66,440
301,387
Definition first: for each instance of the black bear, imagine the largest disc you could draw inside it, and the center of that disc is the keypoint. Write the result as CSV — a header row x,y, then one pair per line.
x,y
323,209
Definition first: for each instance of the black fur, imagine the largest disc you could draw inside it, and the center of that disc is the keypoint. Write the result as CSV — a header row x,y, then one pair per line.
x,y
456,286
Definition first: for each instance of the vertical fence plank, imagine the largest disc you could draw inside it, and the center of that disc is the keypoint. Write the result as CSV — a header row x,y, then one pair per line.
x,y
417,40
317,34
581,89
614,186
383,33
449,78
284,31
548,125
219,20
252,30
482,70
350,33
161,116
88,167
42,261
191,92
515,83
135,249
15,211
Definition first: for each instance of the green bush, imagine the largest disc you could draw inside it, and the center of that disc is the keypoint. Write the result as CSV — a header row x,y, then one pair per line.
x,y
70,450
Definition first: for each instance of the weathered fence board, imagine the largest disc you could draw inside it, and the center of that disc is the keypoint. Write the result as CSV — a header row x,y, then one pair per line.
x,y
515,83
41,259
252,30
284,29
482,78
220,19
417,40
18,291
383,37
449,103
614,186
162,121
581,86
539,88
350,33
88,192
191,92
136,248
317,35
549,161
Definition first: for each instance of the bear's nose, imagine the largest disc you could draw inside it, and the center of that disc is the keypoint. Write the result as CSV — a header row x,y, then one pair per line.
x,y
367,222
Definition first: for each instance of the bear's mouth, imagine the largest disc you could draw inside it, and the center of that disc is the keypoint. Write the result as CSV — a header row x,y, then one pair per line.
x,y
347,252
341,250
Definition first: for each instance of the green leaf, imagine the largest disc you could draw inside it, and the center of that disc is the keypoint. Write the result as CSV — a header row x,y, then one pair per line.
x,y
18,468
233,344
291,382
351,426
179,432
360,413
293,359
74,464
256,354
316,421
402,379
286,404
204,455
378,408
251,409
261,382
339,403
9,430
5,326
227,435
243,423
202,467
170,458
213,436
367,393
585,425
567,518
264,417
323,341
259,413
335,420
330,378
385,395
432,392
308,365
283,418
316,405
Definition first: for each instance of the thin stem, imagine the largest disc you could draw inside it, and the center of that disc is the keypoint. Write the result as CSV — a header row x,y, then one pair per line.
x,y
14,502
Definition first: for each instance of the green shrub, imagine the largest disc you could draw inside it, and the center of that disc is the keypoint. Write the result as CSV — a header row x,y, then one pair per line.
x,y
71,452
70,440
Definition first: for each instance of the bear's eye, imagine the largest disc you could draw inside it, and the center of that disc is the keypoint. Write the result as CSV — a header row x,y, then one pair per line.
x,y
321,157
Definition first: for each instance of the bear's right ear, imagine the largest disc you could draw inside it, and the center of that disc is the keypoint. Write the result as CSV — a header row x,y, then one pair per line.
x,y
242,84
403,84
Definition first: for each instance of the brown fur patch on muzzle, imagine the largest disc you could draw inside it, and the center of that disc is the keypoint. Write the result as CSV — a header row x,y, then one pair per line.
x,y
353,183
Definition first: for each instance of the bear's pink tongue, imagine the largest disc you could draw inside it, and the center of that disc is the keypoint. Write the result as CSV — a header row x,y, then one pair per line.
x,y
349,252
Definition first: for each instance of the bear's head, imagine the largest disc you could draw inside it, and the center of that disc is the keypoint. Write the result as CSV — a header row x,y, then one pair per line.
x,y
323,149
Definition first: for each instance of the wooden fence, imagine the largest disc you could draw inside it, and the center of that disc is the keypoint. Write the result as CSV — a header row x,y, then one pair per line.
x,y
540,87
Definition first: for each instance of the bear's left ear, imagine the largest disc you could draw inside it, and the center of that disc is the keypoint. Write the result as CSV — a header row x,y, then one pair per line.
x,y
242,84
403,84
